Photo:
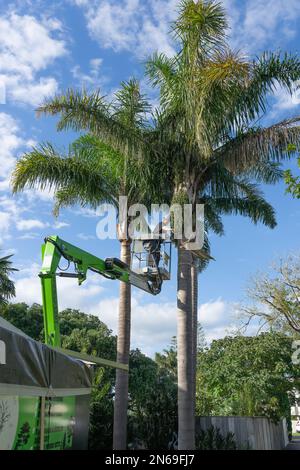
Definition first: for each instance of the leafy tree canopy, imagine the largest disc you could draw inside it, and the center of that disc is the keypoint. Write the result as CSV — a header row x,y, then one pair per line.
x,y
7,287
247,375
275,297
292,181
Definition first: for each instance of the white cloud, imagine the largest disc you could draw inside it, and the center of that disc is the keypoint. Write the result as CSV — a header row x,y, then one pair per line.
x,y
153,323
71,295
94,78
12,211
59,225
46,194
142,27
27,47
257,24
131,25
84,236
29,224
5,221
285,101
33,93
212,313
26,44
10,142
217,318
29,236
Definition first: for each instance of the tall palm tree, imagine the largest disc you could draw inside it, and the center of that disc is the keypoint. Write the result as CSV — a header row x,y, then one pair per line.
x,y
203,142
7,287
100,167
212,100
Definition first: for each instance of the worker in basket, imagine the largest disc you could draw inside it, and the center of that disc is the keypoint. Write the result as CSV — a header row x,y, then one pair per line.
x,y
153,245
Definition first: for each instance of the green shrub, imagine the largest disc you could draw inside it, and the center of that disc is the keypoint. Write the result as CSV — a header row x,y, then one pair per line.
x,y
212,439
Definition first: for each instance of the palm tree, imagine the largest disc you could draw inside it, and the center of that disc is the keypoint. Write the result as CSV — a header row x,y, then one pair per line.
x,y
100,167
204,142
7,287
212,100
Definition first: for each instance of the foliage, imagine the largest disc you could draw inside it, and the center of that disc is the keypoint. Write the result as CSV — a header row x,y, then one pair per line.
x,y
7,287
249,376
167,360
102,164
292,182
27,319
275,297
153,404
212,439
101,412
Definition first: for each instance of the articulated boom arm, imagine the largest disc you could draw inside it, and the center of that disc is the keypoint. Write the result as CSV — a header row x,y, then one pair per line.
x,y
112,268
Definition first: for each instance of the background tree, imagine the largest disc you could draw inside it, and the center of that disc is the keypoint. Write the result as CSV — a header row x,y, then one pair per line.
x,y
7,287
292,181
275,298
167,360
247,376
152,404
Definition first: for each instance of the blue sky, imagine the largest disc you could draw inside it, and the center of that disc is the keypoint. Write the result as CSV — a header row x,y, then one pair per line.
x,y
46,47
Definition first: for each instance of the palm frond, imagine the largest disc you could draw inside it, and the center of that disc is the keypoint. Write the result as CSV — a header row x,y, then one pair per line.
x,y
259,144
267,172
43,167
74,194
201,26
255,207
202,257
160,69
7,287
213,219
81,111
270,71
131,106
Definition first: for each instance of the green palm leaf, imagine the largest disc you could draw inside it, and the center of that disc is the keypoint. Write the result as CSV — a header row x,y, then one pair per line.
x,y
7,287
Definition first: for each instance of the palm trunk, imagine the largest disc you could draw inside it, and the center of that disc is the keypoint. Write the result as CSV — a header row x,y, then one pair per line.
x,y
194,281
123,349
186,416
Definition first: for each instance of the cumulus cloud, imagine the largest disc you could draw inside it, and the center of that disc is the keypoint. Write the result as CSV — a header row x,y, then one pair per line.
x,y
11,141
29,224
141,26
218,318
59,224
85,236
131,25
5,221
12,215
94,78
27,48
153,323
284,101
255,24
71,295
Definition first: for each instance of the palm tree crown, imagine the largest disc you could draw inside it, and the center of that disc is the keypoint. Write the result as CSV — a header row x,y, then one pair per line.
x,y
7,287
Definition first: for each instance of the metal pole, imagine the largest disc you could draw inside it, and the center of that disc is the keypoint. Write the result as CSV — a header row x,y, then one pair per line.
x,y
42,423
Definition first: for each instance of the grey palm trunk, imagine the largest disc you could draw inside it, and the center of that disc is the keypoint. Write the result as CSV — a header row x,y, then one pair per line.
x,y
194,282
123,349
186,413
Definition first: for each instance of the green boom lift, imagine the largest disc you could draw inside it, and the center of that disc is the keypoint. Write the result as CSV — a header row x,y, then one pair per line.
x,y
111,268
